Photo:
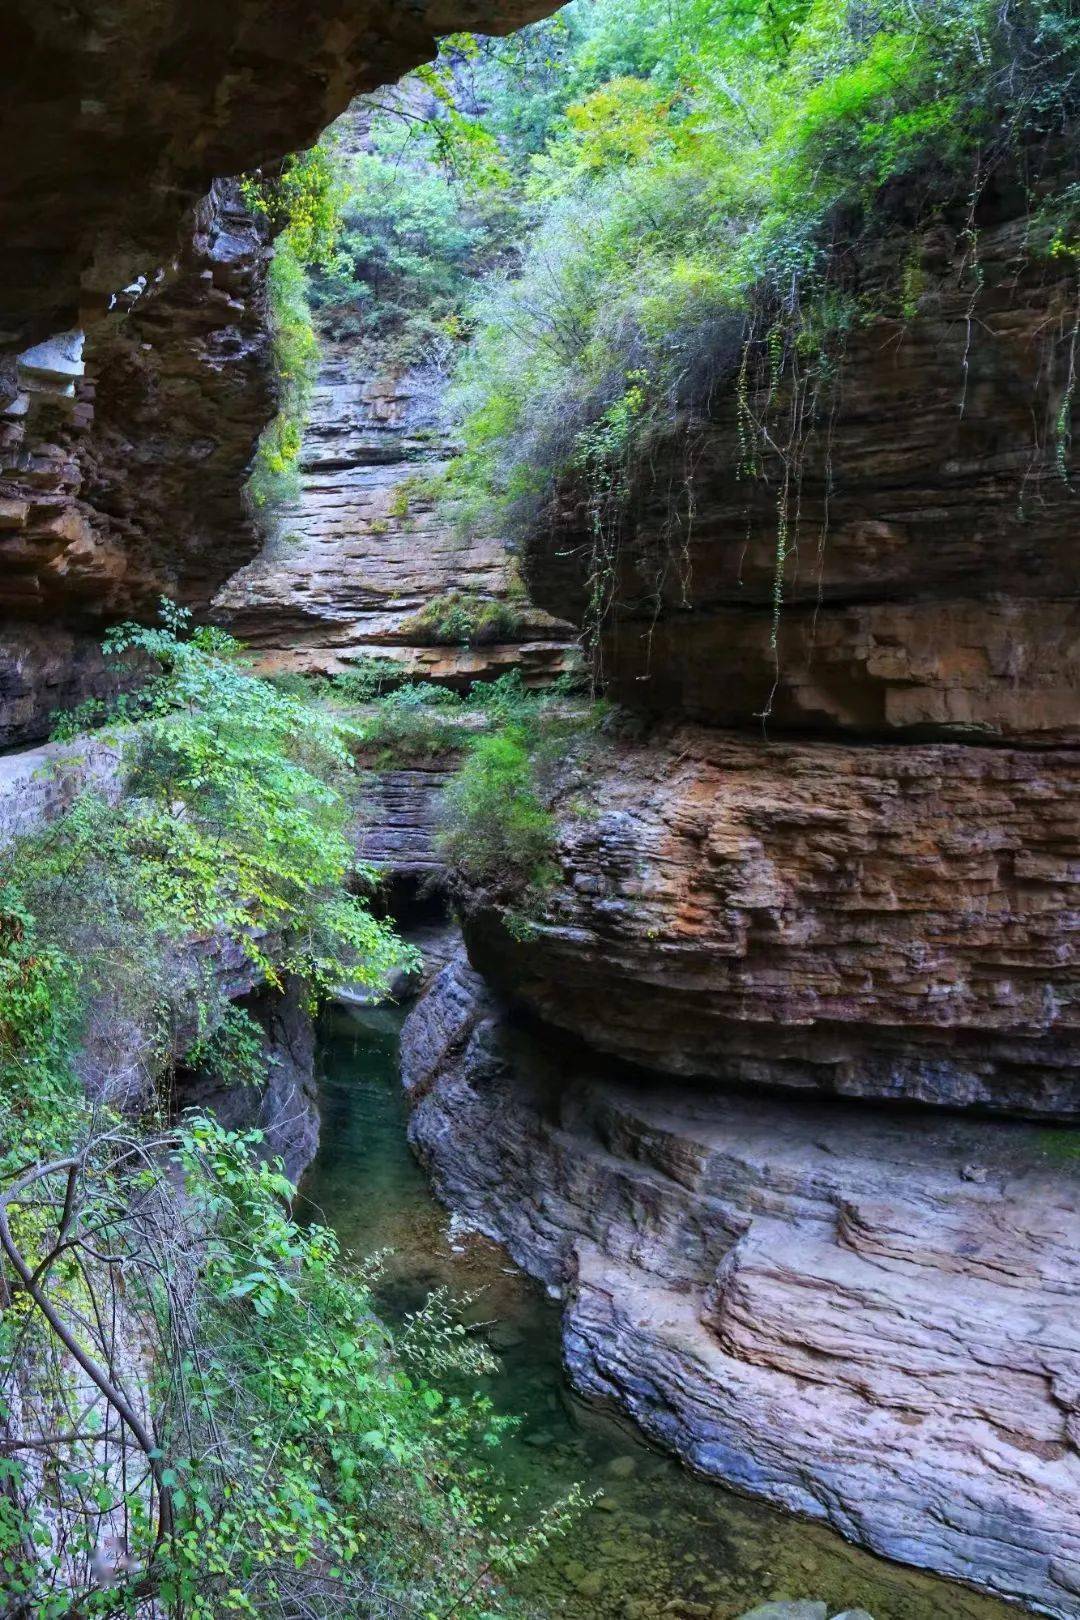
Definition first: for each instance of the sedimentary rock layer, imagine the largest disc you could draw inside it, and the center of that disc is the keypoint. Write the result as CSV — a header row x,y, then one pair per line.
x,y
398,824
875,922
868,1317
922,503
364,550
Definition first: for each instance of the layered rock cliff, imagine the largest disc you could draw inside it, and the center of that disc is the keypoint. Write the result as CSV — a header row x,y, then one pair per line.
x,y
122,464
773,905
843,867
134,364
923,503
354,562
869,1318
879,922
121,115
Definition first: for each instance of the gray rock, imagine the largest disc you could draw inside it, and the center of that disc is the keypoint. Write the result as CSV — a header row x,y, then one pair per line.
x,y
799,1609
788,1609
689,1229
853,1614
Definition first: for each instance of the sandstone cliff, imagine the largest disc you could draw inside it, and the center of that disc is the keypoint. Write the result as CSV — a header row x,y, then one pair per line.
x,y
929,577
355,561
882,921
832,895
800,880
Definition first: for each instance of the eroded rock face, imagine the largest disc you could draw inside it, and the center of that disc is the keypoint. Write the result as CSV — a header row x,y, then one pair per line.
x,y
398,825
121,480
870,1318
120,114
878,922
356,560
929,581
134,366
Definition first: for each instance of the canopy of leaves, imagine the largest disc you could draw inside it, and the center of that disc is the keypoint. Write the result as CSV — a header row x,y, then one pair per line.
x,y
685,172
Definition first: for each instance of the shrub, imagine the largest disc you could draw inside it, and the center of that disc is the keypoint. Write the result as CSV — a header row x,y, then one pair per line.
x,y
416,720
272,1448
497,834
275,473
688,181
463,619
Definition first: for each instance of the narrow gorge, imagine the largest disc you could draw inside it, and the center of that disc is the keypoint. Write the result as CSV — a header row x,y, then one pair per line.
x,y
581,513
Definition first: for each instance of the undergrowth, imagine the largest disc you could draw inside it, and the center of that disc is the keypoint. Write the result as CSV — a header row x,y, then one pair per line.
x,y
202,1415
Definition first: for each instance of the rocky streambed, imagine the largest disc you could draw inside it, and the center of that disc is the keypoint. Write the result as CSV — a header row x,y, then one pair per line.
x,y
865,1316
658,1540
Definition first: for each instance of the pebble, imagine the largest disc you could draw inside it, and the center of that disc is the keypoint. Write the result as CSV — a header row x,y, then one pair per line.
x,y
785,1608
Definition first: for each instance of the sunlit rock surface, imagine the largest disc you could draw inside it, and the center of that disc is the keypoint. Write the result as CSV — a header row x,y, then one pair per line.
x,y
355,560
872,1318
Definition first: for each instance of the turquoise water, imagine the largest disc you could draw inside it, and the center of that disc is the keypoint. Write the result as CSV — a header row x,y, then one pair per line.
x,y
658,1541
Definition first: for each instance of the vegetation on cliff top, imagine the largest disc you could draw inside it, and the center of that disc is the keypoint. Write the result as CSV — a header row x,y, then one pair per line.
x,y
605,223
702,176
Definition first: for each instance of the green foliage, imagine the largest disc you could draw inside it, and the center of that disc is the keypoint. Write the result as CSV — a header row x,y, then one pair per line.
x,y
684,170
233,826
416,720
302,203
303,206
292,1456
300,1457
409,246
274,478
461,618
498,834
234,1052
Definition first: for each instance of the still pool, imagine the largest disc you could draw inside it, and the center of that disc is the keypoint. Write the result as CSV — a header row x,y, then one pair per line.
x,y
658,1541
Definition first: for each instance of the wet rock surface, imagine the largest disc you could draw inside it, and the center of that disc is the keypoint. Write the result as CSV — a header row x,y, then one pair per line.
x,y
869,1318
658,1543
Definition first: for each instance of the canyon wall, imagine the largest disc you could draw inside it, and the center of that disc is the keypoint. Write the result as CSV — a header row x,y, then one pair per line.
x,y
867,1317
134,360
792,885
122,112
867,883
355,560
929,579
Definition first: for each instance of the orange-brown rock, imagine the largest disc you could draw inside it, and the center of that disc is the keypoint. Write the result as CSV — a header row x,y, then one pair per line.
x,y
929,577
896,922
122,464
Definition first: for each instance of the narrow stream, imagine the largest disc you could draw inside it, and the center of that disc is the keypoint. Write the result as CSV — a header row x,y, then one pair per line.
x,y
659,1541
